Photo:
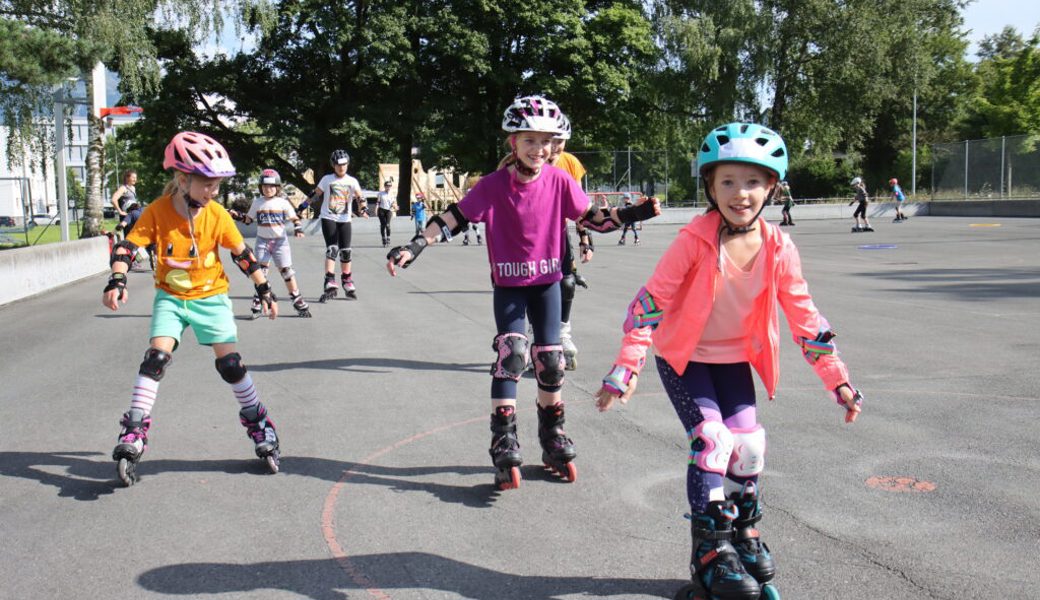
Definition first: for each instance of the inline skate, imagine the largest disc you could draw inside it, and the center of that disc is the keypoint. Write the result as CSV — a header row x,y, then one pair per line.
x,y
330,290
260,429
570,351
505,448
558,451
754,554
715,565
133,441
301,306
349,290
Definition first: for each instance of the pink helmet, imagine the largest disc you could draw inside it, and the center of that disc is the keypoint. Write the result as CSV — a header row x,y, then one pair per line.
x,y
197,154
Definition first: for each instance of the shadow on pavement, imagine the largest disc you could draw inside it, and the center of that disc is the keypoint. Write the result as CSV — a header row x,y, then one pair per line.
x,y
968,284
90,475
374,572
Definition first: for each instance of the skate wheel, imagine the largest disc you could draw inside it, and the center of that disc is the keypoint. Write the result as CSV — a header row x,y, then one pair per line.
x,y
272,462
127,472
572,472
513,482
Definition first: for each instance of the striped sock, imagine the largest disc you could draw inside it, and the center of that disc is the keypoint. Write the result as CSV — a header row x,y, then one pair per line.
x,y
145,392
245,392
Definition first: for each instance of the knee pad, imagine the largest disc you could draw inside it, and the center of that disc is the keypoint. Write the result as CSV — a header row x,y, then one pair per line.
x,y
331,251
567,286
548,365
344,255
749,451
711,444
154,364
288,273
512,356
231,368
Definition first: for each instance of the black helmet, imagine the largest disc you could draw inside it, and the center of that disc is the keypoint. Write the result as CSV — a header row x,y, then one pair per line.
x,y
339,157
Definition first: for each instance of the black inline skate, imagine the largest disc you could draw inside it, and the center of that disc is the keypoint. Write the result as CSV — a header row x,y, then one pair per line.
x,y
754,554
133,441
715,566
330,290
505,448
348,287
260,429
558,451
301,306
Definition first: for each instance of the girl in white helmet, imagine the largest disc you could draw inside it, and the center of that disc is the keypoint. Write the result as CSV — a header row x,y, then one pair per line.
x,y
861,200
524,206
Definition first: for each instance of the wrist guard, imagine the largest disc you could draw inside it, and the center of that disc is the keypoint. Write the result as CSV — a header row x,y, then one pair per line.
x,y
415,247
857,397
246,261
117,281
267,297
616,382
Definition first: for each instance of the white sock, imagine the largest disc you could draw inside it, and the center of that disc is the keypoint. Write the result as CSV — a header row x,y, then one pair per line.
x,y
245,392
145,392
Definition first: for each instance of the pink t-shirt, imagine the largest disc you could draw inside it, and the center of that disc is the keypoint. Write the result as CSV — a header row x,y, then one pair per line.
x,y
725,336
525,223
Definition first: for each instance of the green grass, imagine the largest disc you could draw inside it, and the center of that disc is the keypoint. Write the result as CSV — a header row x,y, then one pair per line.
x,y
45,235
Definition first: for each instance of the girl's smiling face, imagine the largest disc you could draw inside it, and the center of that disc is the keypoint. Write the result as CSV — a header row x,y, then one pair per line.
x,y
533,148
740,191
198,188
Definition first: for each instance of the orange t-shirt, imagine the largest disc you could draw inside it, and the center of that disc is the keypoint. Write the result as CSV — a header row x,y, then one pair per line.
x,y
570,163
178,270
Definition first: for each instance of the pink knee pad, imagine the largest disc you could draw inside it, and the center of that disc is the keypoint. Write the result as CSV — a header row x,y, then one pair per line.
x,y
749,451
511,361
718,446
548,364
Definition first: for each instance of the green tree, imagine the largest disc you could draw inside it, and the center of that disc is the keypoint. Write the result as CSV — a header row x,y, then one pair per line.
x,y
1008,101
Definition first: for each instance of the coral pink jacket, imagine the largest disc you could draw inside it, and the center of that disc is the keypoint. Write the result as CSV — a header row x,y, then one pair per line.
x,y
683,285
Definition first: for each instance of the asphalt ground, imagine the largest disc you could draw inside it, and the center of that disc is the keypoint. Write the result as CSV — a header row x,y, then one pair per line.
x,y
386,484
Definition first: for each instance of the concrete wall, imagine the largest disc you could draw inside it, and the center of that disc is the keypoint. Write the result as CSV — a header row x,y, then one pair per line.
x,y
985,208
31,270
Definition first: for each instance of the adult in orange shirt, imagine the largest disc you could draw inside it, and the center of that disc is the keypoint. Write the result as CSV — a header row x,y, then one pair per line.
x,y
188,229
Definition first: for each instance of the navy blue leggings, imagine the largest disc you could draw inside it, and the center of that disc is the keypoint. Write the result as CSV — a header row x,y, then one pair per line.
x,y
512,305
715,392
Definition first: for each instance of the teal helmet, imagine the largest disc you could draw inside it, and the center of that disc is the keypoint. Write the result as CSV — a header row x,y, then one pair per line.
x,y
744,143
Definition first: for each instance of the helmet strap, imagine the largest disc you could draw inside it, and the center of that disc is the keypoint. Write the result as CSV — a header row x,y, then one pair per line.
x,y
521,168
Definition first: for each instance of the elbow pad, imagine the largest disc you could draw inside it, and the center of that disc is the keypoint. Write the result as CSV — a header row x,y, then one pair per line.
x,y
461,223
643,311
128,258
246,261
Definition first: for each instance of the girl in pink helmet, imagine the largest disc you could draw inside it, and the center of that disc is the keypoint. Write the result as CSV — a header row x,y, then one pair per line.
x,y
524,206
188,229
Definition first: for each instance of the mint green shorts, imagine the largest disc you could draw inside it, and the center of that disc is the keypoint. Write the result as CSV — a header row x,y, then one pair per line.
x,y
210,318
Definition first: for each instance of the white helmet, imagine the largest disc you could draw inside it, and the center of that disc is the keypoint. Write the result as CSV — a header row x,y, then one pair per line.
x,y
856,181
565,127
532,113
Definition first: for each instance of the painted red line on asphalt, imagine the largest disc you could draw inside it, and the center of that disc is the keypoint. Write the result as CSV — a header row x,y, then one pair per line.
x,y
328,520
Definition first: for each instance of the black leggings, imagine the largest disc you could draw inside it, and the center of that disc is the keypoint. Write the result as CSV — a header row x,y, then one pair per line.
x,y
337,235
512,306
384,222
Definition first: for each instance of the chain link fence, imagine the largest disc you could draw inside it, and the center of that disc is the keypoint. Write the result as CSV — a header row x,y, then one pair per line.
x,y
1004,167
661,173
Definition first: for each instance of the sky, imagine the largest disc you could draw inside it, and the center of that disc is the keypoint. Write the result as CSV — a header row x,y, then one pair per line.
x,y
986,17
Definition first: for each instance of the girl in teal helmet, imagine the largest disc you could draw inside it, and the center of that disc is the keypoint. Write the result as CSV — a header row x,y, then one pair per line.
x,y
742,144
710,311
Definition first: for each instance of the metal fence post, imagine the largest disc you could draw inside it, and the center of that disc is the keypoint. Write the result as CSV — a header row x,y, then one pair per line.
x,y
1003,146
965,169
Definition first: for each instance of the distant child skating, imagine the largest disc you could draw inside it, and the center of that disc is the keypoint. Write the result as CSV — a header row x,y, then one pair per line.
x,y
628,226
385,210
861,199
271,212
787,200
524,207
419,212
188,229
340,193
899,198
709,310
